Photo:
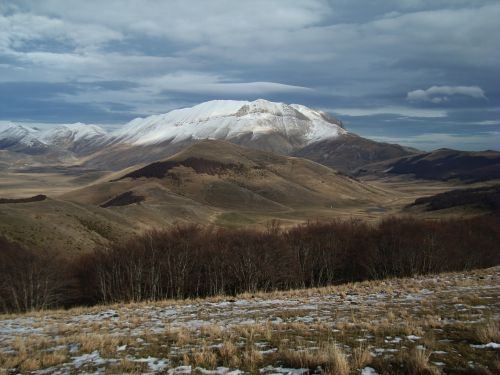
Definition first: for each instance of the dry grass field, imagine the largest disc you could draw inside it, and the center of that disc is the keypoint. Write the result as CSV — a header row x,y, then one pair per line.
x,y
447,323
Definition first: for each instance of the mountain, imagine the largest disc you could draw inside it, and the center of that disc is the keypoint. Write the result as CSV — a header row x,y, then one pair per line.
x,y
76,138
285,129
79,138
442,164
261,125
265,125
229,177
20,138
349,151
482,199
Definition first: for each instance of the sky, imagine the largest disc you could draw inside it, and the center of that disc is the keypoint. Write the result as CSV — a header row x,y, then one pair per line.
x,y
423,73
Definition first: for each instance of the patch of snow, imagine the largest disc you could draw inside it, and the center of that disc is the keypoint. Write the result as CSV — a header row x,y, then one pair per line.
x,y
395,340
441,352
368,371
154,364
439,363
107,314
413,337
281,370
180,370
218,371
93,358
491,345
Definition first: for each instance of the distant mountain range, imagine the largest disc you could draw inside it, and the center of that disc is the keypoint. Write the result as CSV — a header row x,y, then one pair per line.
x,y
227,163
78,138
283,129
275,127
442,164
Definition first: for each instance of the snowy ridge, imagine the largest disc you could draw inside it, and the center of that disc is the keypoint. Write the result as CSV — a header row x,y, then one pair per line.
x,y
74,132
216,119
21,136
229,119
11,133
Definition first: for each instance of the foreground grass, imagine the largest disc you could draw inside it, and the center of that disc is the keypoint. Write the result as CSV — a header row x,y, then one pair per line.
x,y
437,324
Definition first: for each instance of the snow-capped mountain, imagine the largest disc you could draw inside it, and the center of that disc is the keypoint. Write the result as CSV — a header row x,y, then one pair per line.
x,y
232,120
72,137
20,138
286,129
71,133
79,138
263,124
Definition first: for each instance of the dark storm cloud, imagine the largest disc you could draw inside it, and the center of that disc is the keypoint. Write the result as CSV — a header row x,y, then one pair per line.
x,y
394,68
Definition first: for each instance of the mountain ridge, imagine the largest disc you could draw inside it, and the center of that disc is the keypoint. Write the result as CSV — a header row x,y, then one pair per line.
x,y
284,129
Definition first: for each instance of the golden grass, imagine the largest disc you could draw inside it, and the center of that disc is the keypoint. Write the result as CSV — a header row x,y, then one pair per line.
x,y
252,359
489,332
361,357
183,337
126,366
228,351
330,357
205,358
89,342
417,363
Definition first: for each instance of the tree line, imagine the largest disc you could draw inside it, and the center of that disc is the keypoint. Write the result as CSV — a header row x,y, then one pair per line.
x,y
185,261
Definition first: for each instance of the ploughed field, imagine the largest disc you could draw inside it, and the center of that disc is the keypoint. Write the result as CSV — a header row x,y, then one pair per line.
x,y
447,323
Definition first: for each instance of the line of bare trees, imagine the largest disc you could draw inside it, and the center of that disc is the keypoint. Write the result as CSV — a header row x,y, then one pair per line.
x,y
29,280
194,261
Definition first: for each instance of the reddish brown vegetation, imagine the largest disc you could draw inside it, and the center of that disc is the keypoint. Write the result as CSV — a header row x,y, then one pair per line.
x,y
199,165
36,198
29,280
194,261
129,197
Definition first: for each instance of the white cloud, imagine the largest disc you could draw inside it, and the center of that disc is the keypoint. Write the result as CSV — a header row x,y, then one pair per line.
x,y
487,122
196,82
401,111
149,96
21,29
439,94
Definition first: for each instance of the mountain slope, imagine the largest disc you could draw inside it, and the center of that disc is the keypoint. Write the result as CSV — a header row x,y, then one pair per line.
x,y
349,151
443,164
20,138
483,199
226,176
79,138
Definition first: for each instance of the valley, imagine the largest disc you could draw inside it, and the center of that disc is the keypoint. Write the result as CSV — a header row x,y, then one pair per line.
x,y
269,187
209,182
226,163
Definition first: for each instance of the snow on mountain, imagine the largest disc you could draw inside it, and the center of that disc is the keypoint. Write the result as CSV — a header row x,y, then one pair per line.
x,y
19,137
261,124
230,119
71,132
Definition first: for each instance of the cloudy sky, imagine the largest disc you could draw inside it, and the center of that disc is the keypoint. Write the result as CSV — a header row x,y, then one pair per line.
x,y
424,73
